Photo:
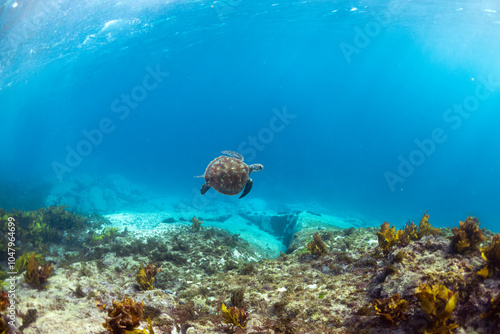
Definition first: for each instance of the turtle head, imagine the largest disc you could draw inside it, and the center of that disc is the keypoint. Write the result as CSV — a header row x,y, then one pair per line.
x,y
256,167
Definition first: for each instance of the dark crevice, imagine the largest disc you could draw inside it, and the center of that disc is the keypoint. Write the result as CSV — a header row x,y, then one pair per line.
x,y
280,225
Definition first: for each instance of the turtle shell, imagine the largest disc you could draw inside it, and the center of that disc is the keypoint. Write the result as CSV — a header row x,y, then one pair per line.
x,y
227,175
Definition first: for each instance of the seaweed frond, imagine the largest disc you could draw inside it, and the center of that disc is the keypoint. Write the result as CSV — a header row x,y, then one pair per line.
x,y
29,318
145,277
493,313
491,254
107,235
391,309
438,303
36,274
3,325
150,327
196,224
4,301
467,236
23,260
124,317
234,316
425,228
47,224
388,237
409,234
238,296
316,246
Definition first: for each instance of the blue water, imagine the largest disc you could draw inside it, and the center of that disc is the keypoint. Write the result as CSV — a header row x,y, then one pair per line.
x,y
375,107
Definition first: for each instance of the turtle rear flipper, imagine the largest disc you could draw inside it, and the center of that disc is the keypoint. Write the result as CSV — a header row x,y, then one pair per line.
x,y
204,188
248,187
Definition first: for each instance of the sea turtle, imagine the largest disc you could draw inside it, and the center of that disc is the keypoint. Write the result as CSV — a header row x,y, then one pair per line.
x,y
229,175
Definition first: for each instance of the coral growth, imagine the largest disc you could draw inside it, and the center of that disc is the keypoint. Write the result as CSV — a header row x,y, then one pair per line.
x,y
234,316
438,302
36,274
391,309
145,277
316,246
467,237
125,317
196,224
492,256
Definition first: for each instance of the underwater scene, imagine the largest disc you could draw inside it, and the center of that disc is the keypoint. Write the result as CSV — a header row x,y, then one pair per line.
x,y
260,167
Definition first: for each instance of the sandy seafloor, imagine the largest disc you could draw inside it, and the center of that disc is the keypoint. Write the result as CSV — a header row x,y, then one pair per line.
x,y
250,246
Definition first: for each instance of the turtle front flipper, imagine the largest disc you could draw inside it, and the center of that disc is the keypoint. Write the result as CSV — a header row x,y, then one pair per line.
x,y
204,188
248,187
233,154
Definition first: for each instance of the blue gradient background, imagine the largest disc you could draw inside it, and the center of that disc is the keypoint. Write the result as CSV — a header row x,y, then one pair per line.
x,y
230,63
